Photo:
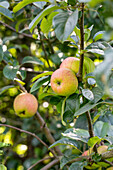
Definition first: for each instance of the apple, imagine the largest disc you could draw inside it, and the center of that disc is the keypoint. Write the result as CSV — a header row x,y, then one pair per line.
x,y
100,150
71,63
25,105
64,82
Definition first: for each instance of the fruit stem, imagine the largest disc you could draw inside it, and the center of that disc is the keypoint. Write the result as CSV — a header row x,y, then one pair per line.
x,y
81,24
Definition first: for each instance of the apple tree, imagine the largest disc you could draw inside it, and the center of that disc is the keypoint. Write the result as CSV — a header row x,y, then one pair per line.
x,y
56,84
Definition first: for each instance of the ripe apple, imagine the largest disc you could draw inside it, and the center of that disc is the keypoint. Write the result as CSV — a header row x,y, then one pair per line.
x,y
71,63
110,168
64,82
25,105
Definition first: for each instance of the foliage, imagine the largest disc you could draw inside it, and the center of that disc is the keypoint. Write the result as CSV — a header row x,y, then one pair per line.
x,y
35,37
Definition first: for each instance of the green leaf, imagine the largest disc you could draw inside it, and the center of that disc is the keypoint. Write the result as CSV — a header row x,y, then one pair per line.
x,y
1,53
103,71
33,60
92,141
77,134
88,94
65,159
6,12
96,51
23,3
2,167
101,129
41,15
98,35
65,141
46,24
40,4
10,72
96,2
76,166
4,4
2,90
97,96
39,83
72,104
4,144
89,65
42,75
64,23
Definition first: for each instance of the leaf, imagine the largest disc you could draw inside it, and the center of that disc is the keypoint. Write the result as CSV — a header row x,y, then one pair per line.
x,y
10,72
4,144
65,159
23,3
46,24
39,83
101,129
2,167
1,53
33,60
40,4
98,35
41,75
92,141
72,104
97,96
88,94
103,70
65,141
6,12
64,23
76,166
91,81
77,134
4,4
89,65
41,15
2,90
96,51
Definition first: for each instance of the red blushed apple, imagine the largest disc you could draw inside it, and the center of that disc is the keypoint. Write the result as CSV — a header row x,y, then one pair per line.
x,y
64,82
25,105
71,63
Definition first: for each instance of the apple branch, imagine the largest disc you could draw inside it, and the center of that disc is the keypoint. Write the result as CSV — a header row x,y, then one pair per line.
x,y
47,132
39,162
51,164
30,133
81,24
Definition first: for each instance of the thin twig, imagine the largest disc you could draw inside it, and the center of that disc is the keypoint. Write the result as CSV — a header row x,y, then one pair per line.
x,y
47,132
90,127
39,162
108,162
30,133
51,164
81,23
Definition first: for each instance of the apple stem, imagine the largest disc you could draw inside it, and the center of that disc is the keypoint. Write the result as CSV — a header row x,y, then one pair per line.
x,y
81,24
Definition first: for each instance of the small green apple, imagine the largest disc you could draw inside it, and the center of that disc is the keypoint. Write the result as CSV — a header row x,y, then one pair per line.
x,y
71,63
25,105
64,82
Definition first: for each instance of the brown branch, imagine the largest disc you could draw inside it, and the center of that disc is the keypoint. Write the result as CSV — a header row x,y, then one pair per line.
x,y
39,162
51,164
108,162
81,23
47,132
30,133
13,29
21,87
90,128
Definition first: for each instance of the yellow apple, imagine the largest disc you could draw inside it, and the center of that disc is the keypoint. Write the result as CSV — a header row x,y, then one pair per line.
x,y
64,82
25,105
